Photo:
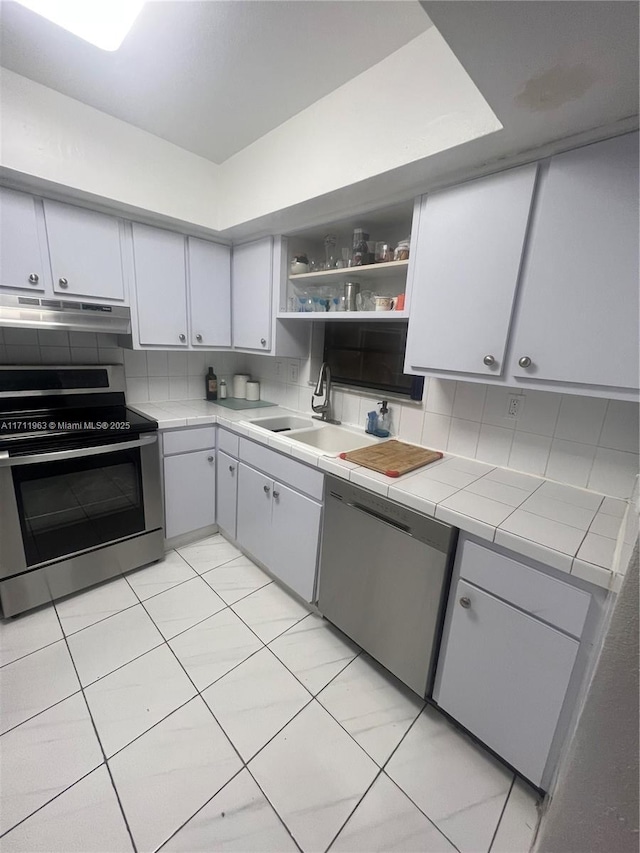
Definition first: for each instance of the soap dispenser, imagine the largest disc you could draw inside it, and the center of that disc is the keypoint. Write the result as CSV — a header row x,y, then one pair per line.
x,y
383,427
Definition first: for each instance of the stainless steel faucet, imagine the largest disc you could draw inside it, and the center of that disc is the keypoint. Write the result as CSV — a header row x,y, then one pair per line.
x,y
323,387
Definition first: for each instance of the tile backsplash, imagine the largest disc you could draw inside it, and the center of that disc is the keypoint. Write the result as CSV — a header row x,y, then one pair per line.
x,y
584,441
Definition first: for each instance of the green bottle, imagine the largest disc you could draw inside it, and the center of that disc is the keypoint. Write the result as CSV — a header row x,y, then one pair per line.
x,y
212,385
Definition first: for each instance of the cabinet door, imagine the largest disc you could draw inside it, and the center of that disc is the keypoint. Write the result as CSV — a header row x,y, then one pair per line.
x,y
226,497
295,530
504,677
85,251
467,255
251,275
161,288
23,252
209,293
254,513
189,492
578,317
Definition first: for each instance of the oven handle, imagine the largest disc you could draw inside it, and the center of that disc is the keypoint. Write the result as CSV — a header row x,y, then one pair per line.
x,y
7,461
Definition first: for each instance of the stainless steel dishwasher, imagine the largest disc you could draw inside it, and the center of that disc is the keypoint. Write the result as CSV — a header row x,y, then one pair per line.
x,y
384,573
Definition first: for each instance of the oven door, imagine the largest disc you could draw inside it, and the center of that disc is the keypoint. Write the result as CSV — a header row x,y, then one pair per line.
x,y
60,503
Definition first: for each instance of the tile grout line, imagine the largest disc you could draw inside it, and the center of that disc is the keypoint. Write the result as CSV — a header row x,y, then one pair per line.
x,y
504,808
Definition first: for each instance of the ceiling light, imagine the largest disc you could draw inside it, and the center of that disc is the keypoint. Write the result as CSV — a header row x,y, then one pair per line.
x,y
104,23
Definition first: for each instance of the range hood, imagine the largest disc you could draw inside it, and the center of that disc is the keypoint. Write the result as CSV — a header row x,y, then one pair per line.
x,y
32,312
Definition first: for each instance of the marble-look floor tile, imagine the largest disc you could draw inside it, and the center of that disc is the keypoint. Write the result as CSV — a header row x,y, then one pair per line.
x,y
84,819
212,648
27,633
386,821
159,577
314,774
85,608
236,579
166,775
33,683
137,696
519,821
209,553
459,786
372,705
44,756
183,607
237,820
315,651
109,644
270,611
255,700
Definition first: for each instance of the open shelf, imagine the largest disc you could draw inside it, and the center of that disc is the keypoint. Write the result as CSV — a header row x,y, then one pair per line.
x,y
343,316
368,271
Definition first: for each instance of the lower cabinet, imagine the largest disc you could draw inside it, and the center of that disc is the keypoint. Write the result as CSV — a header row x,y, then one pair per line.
x,y
189,480
280,527
227,493
503,673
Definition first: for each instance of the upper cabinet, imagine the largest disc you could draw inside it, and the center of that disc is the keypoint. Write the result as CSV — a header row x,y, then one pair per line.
x,y
24,261
468,249
160,286
547,303
578,314
182,287
209,293
251,278
85,251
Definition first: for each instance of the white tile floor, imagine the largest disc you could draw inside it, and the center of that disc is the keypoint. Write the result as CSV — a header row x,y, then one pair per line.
x,y
194,706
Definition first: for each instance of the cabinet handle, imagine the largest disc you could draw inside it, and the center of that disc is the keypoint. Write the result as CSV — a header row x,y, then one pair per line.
x,y
63,282
232,468
182,338
525,361
267,489
263,341
34,278
209,458
276,494
489,360
199,338
465,602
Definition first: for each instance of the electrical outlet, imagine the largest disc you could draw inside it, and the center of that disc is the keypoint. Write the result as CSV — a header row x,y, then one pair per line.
x,y
515,402
280,370
294,371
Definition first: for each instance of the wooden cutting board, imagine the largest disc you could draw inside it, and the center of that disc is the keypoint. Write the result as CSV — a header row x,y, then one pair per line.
x,y
392,458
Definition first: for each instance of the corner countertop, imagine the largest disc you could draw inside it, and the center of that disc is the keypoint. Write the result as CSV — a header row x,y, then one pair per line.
x,y
574,530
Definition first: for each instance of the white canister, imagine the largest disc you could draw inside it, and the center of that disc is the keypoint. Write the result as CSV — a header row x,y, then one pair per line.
x,y
253,390
240,385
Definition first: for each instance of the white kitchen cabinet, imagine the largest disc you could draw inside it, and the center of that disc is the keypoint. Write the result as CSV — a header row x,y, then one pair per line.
x,y
280,527
295,532
227,493
578,314
85,249
251,281
189,492
160,283
464,273
24,259
504,677
209,293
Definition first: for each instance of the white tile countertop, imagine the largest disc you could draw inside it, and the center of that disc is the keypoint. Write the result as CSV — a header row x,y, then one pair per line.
x,y
584,533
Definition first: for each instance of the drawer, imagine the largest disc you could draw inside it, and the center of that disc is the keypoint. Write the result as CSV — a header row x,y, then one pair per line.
x,y
283,468
544,597
184,440
228,442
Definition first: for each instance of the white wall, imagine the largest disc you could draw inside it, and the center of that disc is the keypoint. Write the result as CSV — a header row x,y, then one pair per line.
x,y
415,103
55,138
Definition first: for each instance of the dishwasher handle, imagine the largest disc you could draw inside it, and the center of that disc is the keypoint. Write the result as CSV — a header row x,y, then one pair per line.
x,y
397,525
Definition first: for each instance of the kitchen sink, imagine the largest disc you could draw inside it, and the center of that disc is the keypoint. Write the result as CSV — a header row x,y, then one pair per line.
x,y
332,439
284,423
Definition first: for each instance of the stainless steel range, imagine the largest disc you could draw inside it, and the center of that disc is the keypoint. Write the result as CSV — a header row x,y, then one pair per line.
x,y
80,493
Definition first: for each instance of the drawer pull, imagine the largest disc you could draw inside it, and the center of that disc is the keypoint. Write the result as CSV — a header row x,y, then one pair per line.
x,y
465,602
267,489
